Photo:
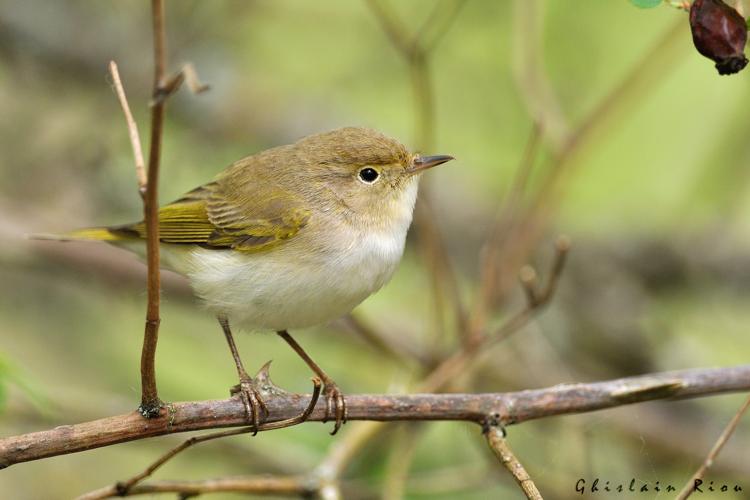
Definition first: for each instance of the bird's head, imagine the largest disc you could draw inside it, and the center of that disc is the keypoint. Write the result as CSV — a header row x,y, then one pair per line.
x,y
370,174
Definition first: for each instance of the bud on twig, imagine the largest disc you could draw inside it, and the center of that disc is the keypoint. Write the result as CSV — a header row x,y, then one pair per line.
x,y
719,33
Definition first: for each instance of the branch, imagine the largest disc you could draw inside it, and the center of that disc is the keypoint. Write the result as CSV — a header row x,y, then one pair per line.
x,y
496,439
287,485
150,402
493,408
689,488
163,87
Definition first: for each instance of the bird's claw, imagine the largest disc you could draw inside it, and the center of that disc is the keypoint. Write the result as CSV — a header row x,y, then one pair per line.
x,y
335,405
255,408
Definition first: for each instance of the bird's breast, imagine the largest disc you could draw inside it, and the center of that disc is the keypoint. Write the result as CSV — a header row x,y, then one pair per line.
x,y
371,258
296,285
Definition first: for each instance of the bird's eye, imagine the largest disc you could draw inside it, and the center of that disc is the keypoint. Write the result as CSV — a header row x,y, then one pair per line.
x,y
368,175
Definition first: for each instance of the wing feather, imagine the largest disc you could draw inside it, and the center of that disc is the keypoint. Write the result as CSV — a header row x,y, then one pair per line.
x,y
219,215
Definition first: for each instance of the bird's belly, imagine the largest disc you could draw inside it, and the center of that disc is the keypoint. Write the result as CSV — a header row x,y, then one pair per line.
x,y
280,290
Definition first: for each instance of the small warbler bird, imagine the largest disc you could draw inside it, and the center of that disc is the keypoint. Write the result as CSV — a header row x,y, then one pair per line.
x,y
291,237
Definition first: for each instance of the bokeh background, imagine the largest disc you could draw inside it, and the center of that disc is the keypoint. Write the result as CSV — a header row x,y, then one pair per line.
x,y
641,157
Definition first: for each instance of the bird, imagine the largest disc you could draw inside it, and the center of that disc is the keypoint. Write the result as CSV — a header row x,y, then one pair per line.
x,y
288,238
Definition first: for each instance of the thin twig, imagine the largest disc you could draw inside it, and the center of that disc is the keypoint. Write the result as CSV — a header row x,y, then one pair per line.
x,y
135,141
689,487
496,439
150,402
258,485
506,408
537,299
148,186
125,488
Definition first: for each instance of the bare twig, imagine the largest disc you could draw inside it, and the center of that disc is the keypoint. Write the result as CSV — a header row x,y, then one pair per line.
x,y
162,89
505,408
537,299
446,480
135,141
496,439
125,488
150,402
258,485
696,478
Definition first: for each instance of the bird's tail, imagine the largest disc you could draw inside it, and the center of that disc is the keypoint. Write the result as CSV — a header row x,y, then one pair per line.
x,y
86,234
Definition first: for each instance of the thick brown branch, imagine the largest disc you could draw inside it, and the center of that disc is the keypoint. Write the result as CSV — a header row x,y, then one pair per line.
x,y
502,408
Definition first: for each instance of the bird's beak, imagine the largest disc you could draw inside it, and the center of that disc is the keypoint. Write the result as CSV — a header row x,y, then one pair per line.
x,y
421,163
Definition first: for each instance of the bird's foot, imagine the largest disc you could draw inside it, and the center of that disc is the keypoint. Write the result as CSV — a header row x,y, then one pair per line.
x,y
335,404
255,408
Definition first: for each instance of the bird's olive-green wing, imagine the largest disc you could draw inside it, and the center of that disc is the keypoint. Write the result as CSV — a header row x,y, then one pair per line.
x,y
218,215
253,215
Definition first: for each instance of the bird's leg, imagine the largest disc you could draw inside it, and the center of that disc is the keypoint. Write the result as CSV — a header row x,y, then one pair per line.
x,y
247,388
335,402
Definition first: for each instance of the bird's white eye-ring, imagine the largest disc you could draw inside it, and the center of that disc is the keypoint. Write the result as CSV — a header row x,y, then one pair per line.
x,y
368,175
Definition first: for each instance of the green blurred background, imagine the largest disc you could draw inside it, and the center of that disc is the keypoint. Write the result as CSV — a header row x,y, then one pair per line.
x,y
654,198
